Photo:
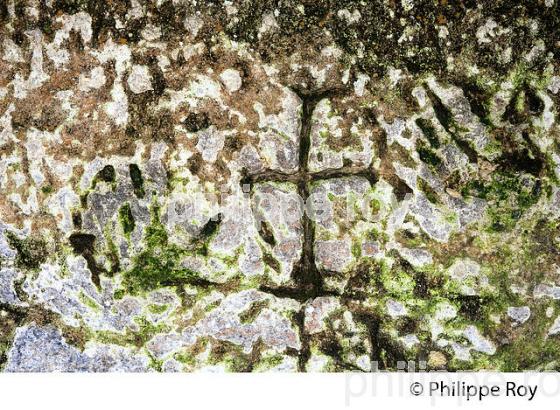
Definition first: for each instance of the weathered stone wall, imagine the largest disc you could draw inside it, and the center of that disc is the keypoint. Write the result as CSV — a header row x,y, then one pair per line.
x,y
289,186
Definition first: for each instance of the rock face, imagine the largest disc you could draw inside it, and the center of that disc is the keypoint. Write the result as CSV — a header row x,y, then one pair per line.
x,y
304,186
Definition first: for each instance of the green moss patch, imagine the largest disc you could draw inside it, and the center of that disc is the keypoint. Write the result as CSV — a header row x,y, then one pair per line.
x,y
107,174
509,196
127,219
137,180
31,252
159,265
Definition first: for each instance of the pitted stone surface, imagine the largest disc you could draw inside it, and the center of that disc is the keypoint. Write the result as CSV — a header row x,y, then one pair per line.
x,y
250,186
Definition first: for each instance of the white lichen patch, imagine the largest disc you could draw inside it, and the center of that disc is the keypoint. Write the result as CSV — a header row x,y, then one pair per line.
x,y
139,79
519,314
